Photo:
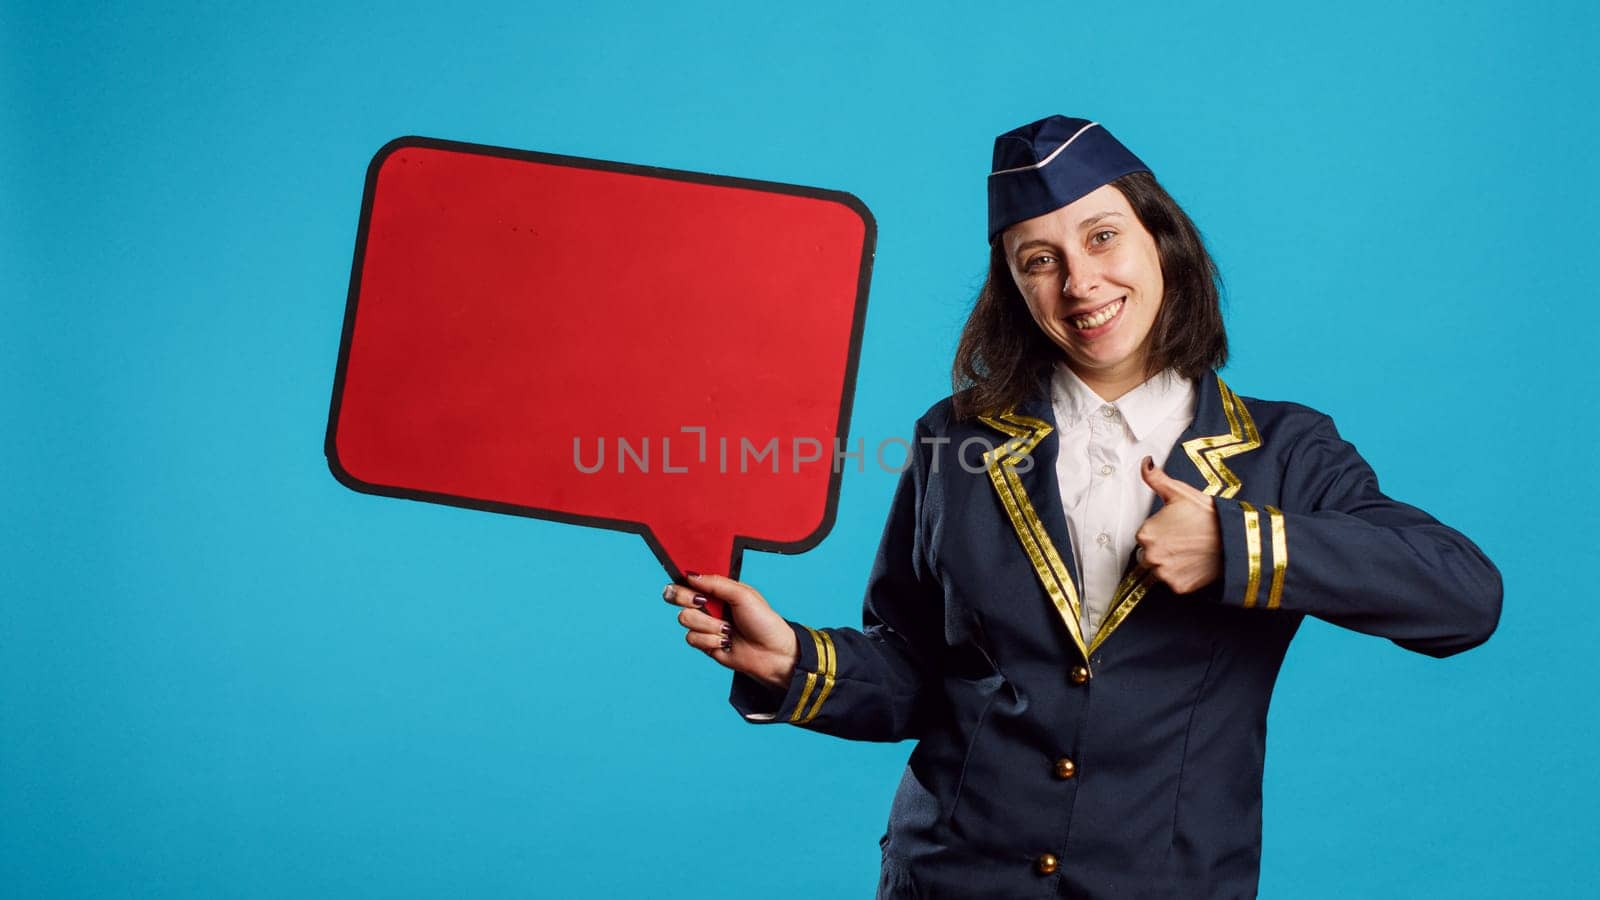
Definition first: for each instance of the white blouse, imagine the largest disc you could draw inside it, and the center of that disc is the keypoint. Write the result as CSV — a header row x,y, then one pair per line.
x,y
1105,498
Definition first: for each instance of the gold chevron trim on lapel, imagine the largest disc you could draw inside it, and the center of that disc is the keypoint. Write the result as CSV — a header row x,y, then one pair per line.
x,y
1025,434
1208,453
1127,596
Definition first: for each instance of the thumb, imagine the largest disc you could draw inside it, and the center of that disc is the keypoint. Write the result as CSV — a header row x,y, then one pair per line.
x,y
1165,486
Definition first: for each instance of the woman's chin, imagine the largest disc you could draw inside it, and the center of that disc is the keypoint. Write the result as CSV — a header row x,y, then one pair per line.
x,y
1101,360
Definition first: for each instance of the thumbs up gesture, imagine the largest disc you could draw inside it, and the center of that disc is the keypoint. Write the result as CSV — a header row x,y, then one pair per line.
x,y
1182,543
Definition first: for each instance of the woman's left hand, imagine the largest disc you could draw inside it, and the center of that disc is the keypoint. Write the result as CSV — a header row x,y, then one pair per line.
x,y
1182,543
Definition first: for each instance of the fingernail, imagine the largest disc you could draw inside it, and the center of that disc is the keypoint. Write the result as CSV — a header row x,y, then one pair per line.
x,y
1148,464
689,574
699,599
727,643
726,628
666,593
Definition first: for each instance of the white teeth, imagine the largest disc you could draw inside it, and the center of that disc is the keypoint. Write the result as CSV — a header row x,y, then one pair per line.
x,y
1095,320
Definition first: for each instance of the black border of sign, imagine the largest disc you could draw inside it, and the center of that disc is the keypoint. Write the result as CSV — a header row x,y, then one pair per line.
x,y
741,543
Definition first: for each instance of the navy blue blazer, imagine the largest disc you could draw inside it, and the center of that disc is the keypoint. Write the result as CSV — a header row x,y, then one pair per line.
x,y
1129,765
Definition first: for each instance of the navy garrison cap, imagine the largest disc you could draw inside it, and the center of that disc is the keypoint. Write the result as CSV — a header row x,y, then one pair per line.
x,y
1047,164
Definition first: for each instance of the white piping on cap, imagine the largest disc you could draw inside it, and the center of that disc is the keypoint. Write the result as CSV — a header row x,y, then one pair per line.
x,y
1053,154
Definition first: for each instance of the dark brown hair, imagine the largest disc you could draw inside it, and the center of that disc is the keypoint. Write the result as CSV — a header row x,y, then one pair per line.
x,y
1003,355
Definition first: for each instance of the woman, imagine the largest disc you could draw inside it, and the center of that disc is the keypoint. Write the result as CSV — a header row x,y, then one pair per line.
x,y
1084,651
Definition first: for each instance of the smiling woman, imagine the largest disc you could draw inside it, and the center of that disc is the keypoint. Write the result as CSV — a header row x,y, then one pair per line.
x,y
1092,280
1082,627
999,357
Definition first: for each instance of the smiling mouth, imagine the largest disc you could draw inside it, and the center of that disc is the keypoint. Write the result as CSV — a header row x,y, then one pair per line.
x,y
1099,317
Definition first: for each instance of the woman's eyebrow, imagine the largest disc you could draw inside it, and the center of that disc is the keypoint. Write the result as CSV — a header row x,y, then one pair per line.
x,y
1026,244
1094,219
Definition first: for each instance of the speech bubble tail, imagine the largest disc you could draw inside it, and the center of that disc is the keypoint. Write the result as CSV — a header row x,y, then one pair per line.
x,y
686,550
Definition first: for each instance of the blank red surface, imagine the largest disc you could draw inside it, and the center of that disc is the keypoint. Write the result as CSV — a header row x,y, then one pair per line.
x,y
507,307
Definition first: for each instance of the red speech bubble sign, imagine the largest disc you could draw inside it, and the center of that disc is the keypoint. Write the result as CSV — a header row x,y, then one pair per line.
x,y
642,349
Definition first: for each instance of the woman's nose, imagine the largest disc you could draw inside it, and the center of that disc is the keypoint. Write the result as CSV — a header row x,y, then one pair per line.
x,y
1081,282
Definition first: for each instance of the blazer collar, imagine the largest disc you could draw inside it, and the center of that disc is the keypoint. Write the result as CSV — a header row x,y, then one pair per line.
x,y
1222,428
1023,472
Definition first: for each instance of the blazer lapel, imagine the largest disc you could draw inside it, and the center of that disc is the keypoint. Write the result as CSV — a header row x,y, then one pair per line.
x,y
1209,437
1222,428
1022,471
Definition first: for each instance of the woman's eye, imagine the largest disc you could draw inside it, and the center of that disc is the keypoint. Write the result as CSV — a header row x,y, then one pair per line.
x,y
1039,262
1100,237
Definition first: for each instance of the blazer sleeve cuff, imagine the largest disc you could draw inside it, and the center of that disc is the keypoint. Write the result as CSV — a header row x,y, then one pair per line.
x,y
1254,554
808,688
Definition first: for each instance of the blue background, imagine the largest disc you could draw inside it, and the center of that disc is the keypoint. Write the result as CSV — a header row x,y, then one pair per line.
x,y
221,673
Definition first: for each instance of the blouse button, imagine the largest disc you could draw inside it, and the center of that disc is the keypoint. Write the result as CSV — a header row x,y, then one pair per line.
x,y
1109,412
1046,864
1106,470
1102,539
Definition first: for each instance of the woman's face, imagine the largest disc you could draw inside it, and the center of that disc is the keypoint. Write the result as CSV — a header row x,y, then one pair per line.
x,y
1101,315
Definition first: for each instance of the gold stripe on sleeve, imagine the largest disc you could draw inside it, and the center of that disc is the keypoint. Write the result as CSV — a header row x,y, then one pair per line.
x,y
827,665
1280,557
811,682
1252,549
811,678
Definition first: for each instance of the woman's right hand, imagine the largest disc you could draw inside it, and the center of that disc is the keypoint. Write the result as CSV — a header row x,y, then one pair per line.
x,y
753,639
